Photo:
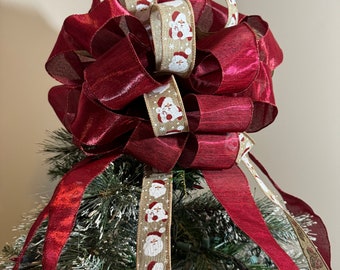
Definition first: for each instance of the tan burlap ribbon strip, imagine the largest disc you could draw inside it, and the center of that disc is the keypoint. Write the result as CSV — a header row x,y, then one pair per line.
x,y
173,32
166,109
154,225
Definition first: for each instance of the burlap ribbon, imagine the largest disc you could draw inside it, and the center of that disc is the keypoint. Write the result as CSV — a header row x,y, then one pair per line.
x,y
173,32
154,225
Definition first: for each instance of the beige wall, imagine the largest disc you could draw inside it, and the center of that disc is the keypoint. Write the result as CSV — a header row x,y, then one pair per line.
x,y
25,115
300,149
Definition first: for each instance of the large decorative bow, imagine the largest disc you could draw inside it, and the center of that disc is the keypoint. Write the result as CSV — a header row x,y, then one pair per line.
x,y
105,61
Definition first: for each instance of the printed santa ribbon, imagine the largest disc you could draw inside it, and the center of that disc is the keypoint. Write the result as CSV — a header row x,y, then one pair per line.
x,y
173,36
154,225
232,13
166,110
173,31
140,8
312,255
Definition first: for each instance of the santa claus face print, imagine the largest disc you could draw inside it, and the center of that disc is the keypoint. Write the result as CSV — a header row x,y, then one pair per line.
x,y
179,27
156,213
157,189
179,64
167,110
153,245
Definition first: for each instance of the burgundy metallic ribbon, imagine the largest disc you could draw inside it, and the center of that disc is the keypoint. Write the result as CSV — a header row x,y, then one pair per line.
x,y
105,62
298,207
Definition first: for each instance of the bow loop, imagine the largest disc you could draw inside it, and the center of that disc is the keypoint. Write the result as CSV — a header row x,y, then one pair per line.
x,y
227,61
270,52
211,152
260,91
218,114
162,153
65,99
115,83
84,37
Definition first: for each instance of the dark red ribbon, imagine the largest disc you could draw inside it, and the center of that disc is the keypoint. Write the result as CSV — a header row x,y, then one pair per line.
x,y
298,207
104,60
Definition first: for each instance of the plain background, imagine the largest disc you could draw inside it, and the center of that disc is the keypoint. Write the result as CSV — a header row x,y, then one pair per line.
x,y
300,149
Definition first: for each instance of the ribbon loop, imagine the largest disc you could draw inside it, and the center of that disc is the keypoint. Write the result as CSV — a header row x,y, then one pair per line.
x,y
104,77
260,91
160,153
211,152
270,52
227,61
173,31
218,114
166,110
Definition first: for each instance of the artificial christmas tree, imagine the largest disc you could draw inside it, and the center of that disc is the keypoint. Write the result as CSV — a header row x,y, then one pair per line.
x,y
159,116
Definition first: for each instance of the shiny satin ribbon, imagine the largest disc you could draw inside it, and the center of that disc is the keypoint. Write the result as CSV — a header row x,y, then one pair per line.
x,y
104,59
312,255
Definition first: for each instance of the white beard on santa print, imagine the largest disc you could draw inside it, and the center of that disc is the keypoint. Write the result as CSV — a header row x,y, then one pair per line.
x,y
156,213
167,110
178,64
157,190
153,245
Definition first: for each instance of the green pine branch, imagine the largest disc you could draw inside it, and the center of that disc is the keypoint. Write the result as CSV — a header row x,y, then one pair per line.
x,y
105,233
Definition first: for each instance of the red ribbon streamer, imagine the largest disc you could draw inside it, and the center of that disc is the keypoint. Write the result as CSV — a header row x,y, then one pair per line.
x,y
105,62
62,209
236,198
298,207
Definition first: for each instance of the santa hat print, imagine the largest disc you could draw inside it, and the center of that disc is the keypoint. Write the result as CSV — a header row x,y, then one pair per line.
x,y
160,101
157,233
151,265
155,266
151,205
143,2
175,15
158,181
184,54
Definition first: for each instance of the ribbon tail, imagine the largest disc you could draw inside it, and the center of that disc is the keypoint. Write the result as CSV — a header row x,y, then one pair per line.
x,y
297,207
231,189
64,206
62,209
41,217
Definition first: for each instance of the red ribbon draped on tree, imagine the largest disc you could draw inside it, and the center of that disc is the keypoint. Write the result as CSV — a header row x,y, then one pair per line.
x,y
105,62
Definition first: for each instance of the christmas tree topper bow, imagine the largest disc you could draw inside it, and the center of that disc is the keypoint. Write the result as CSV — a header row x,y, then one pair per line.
x,y
114,98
